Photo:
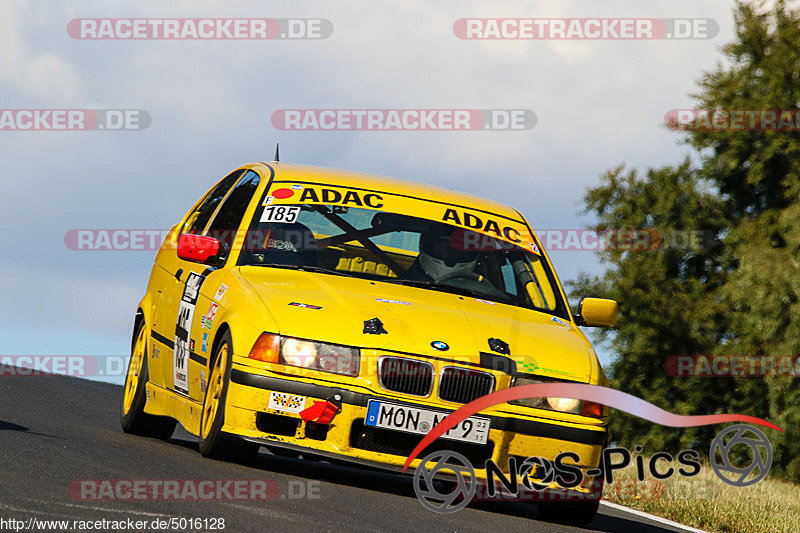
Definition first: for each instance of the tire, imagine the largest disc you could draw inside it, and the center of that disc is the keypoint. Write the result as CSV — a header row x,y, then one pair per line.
x,y
214,443
581,513
133,419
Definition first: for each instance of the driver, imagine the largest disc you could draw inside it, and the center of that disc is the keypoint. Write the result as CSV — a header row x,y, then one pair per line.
x,y
438,259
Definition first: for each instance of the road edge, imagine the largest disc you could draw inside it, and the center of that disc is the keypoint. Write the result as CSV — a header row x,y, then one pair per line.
x,y
652,517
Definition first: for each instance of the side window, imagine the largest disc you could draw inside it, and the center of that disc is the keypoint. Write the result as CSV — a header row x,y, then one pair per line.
x,y
229,216
197,221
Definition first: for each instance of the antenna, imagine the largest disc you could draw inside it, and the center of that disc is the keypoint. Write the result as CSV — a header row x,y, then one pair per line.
x,y
277,155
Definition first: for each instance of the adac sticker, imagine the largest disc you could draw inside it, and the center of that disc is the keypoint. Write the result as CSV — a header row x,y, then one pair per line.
x,y
305,306
221,292
326,195
345,197
483,224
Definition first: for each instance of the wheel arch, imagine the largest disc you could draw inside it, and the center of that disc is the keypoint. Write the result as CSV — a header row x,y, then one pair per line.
x,y
138,320
221,330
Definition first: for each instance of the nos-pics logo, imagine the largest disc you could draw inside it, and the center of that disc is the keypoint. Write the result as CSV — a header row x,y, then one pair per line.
x,y
436,490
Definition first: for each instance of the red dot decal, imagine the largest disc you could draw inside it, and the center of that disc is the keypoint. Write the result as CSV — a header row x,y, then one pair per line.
x,y
281,194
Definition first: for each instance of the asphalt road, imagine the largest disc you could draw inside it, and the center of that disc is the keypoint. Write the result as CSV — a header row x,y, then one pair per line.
x,y
56,430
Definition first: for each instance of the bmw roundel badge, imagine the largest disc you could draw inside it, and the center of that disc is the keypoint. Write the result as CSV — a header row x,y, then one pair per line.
x,y
440,345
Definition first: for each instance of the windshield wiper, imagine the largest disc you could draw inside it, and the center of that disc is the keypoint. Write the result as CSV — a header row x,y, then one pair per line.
x,y
307,268
448,288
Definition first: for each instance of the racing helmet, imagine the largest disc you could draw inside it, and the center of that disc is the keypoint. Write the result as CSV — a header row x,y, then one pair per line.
x,y
440,256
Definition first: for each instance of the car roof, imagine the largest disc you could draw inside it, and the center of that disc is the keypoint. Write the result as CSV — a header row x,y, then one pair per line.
x,y
345,178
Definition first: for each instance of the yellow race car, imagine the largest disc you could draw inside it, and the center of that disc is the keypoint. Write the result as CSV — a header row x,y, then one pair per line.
x,y
344,315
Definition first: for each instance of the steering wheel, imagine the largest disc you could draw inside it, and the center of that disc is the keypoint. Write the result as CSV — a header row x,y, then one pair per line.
x,y
460,275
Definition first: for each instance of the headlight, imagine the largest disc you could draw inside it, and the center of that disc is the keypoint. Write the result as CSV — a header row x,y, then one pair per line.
x,y
567,405
307,354
564,405
298,353
338,359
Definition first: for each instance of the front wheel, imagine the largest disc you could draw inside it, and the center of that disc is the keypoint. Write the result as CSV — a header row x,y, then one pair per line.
x,y
214,443
132,416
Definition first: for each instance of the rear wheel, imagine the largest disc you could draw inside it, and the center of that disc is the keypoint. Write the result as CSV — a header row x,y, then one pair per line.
x,y
214,443
132,416
569,512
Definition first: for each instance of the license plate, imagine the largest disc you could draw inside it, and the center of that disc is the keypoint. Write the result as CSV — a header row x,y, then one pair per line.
x,y
421,421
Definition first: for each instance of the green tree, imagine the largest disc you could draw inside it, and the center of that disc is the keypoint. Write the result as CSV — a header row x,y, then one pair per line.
x,y
739,294
759,176
668,295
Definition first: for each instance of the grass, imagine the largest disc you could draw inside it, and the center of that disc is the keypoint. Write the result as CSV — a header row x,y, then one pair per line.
x,y
705,502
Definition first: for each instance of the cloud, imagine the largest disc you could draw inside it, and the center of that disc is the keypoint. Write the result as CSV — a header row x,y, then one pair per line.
x,y
25,68
598,104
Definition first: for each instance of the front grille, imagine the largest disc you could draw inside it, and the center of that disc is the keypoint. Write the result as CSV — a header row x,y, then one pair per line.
x,y
397,443
405,375
463,385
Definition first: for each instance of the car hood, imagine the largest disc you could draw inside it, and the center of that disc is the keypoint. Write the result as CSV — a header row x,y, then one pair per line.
x,y
334,309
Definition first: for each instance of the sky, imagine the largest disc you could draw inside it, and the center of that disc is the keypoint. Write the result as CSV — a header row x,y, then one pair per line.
x,y
598,104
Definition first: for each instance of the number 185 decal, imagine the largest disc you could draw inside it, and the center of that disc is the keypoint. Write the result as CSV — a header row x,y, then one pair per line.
x,y
280,213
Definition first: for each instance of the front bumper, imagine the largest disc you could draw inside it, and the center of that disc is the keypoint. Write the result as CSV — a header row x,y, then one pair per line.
x,y
248,414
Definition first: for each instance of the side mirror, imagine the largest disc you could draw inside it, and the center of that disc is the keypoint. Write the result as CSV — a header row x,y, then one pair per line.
x,y
197,248
597,312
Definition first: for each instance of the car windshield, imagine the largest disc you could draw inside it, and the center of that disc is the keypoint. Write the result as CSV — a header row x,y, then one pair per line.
x,y
398,248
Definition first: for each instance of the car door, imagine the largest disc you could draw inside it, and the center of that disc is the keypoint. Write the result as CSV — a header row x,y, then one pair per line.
x,y
172,274
195,318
